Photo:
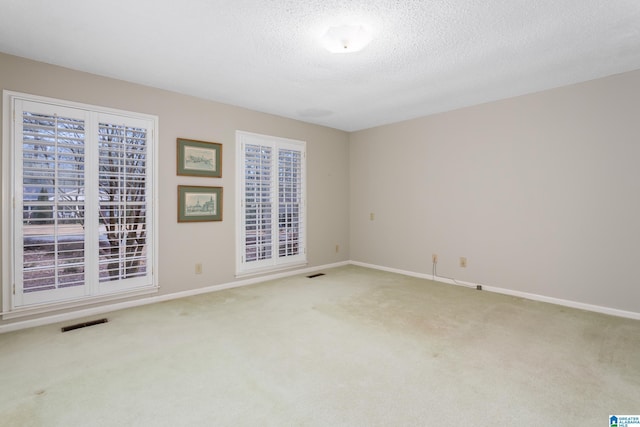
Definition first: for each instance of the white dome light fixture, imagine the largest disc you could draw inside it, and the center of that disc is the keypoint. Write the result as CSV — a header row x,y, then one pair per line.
x,y
346,38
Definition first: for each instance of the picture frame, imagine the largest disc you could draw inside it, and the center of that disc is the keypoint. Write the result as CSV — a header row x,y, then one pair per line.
x,y
199,158
199,204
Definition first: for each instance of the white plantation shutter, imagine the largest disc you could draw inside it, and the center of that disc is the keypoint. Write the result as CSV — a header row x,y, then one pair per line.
x,y
123,171
82,217
290,202
258,202
272,210
52,250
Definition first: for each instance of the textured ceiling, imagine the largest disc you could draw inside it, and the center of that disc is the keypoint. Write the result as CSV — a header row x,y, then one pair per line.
x,y
425,57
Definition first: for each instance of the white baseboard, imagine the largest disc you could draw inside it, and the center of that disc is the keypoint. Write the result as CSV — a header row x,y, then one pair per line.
x,y
567,303
525,295
77,314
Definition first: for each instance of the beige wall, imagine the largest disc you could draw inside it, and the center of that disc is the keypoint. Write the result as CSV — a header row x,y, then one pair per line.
x,y
541,193
213,244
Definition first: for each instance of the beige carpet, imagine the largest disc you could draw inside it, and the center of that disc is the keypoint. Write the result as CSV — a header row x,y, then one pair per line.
x,y
355,347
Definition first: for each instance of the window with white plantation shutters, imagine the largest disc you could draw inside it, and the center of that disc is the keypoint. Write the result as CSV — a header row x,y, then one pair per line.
x,y
81,220
271,173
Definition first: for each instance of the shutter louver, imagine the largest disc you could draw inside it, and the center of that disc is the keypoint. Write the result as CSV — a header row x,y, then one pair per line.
x,y
258,203
53,177
123,166
290,202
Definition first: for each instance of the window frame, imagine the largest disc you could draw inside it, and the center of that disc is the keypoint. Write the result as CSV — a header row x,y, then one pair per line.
x,y
276,262
10,220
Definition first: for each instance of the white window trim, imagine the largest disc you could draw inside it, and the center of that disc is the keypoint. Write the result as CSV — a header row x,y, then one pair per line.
x,y
8,201
241,268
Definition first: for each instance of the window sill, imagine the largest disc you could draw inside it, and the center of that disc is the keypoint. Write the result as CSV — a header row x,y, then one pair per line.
x,y
81,303
270,269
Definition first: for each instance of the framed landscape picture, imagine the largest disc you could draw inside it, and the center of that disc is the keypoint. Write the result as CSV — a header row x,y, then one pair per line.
x,y
199,158
197,204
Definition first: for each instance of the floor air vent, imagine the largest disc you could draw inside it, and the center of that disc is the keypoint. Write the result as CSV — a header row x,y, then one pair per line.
x,y
84,325
315,275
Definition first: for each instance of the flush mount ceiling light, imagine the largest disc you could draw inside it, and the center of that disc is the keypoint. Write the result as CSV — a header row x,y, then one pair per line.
x,y
346,38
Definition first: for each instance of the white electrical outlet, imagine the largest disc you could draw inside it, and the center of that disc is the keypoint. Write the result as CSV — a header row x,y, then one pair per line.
x,y
199,268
